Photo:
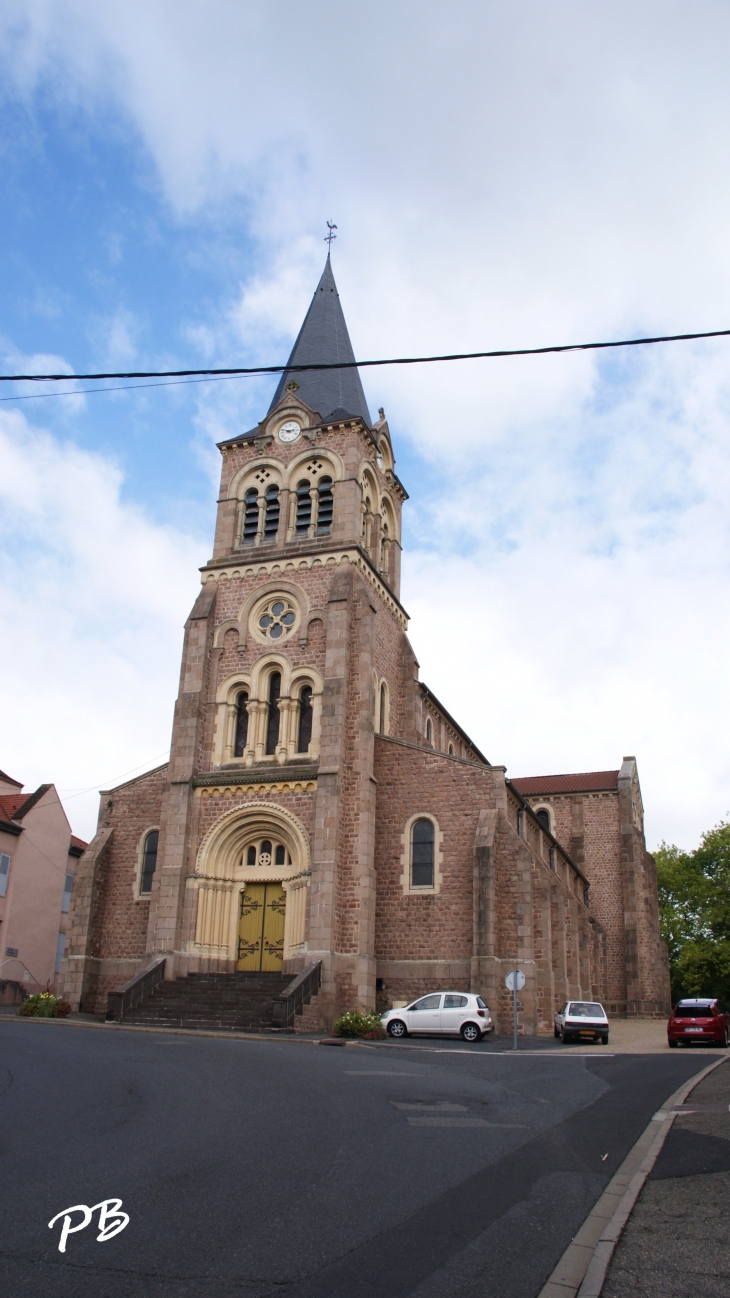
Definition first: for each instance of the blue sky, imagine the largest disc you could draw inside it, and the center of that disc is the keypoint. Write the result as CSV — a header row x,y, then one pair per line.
x,y
500,176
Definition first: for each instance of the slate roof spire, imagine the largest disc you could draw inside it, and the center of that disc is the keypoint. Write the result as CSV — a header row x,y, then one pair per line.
x,y
324,338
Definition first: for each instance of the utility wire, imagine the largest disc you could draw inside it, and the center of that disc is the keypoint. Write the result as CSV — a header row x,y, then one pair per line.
x,y
351,365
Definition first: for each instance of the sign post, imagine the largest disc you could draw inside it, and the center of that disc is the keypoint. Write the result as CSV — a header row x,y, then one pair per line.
x,y
514,982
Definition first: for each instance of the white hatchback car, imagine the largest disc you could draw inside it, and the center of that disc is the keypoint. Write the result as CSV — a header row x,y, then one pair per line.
x,y
582,1021
441,1013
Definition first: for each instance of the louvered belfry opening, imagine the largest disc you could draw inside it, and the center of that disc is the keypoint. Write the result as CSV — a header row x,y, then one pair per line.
x,y
271,517
272,721
324,505
304,507
250,517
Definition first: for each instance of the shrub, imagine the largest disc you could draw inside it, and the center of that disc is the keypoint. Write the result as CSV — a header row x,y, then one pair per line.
x,y
45,1006
359,1023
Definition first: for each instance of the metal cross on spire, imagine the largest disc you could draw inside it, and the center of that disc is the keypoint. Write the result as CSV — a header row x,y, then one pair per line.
x,y
331,227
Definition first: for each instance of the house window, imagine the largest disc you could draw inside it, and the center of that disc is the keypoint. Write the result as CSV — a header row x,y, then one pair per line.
x,y
272,721
60,948
66,902
241,725
422,854
451,750
325,505
304,507
250,516
305,720
543,815
149,861
271,515
4,871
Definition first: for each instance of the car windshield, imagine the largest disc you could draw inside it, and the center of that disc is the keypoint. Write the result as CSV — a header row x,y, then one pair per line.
x,y
585,1010
694,1012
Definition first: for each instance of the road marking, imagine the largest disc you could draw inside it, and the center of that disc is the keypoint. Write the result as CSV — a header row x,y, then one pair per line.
x,y
464,1122
431,1108
378,1072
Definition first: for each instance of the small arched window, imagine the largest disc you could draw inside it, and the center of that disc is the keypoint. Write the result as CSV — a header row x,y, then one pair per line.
x,y
325,505
451,750
250,516
304,507
383,707
241,724
305,720
272,721
543,815
422,854
271,517
429,732
149,861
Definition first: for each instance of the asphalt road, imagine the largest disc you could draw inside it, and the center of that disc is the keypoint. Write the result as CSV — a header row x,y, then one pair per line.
x,y
256,1168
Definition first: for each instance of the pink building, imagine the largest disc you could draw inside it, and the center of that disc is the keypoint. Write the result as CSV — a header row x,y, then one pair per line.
x,y
38,856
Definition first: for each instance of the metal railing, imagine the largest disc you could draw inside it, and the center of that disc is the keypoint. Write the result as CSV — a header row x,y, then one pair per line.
x,y
294,997
137,989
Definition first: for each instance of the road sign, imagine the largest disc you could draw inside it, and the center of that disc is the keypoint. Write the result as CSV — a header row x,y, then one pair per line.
x,y
515,980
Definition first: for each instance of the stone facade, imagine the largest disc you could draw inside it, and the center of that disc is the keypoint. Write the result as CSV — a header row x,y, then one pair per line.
x,y
305,750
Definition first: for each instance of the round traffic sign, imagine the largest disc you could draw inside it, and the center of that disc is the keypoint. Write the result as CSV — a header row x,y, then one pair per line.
x,y
515,979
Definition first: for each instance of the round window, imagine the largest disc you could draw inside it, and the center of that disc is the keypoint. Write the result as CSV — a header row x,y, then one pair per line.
x,y
275,619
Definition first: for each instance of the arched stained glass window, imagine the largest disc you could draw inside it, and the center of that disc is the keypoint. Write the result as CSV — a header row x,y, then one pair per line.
x,y
272,721
149,860
305,720
325,505
422,854
271,516
250,516
241,725
304,507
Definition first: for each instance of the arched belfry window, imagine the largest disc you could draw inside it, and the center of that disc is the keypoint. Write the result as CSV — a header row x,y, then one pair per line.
x,y
250,516
241,724
271,516
543,815
304,507
429,732
325,505
422,842
149,861
272,720
306,713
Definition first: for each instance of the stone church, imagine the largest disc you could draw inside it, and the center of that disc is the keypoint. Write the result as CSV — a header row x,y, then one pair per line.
x,y
320,806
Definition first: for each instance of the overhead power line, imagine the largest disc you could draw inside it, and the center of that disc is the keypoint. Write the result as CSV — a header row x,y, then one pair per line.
x,y
233,371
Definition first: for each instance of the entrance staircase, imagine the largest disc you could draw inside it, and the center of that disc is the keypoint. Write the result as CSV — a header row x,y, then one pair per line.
x,y
237,1002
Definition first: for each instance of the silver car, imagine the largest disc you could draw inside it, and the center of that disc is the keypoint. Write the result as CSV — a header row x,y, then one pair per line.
x,y
443,1014
581,1021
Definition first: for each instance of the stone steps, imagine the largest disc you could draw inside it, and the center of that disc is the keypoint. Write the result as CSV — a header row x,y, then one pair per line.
x,y
237,1002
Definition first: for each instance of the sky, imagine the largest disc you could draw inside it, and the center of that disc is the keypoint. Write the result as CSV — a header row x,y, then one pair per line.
x,y
501,176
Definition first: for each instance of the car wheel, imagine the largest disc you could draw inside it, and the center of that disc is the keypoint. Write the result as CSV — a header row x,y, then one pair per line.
x,y
725,1040
673,1045
604,1040
564,1037
397,1028
470,1032
556,1032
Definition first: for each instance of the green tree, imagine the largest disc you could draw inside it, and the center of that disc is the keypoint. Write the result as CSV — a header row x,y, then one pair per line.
x,y
694,909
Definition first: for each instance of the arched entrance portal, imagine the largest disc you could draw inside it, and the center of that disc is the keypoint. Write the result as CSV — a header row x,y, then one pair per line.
x,y
251,877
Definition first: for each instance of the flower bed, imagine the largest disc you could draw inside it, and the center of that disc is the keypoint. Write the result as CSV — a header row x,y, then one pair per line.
x,y
44,1005
359,1023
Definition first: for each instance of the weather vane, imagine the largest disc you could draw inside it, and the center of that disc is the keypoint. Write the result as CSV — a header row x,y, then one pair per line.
x,y
331,227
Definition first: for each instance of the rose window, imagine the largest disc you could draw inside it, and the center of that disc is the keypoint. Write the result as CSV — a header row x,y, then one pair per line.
x,y
276,619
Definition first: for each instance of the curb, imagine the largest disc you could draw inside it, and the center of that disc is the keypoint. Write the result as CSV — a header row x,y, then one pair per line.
x,y
275,1038
582,1270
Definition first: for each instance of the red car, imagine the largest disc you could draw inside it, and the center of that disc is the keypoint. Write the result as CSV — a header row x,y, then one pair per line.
x,y
702,1019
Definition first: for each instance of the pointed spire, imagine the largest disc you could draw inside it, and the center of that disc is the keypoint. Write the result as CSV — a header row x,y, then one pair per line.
x,y
324,338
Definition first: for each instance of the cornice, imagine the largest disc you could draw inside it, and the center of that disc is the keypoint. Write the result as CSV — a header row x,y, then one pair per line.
x,y
228,569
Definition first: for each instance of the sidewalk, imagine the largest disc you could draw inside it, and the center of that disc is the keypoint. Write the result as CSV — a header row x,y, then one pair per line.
x,y
677,1241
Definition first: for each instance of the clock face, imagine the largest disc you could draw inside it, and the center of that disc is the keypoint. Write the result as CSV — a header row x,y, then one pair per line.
x,y
289,431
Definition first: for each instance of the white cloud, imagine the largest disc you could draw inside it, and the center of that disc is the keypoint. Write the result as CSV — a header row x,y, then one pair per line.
x,y
93,600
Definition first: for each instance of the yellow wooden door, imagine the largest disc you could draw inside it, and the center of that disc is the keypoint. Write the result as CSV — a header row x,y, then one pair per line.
x,y
261,927
272,954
